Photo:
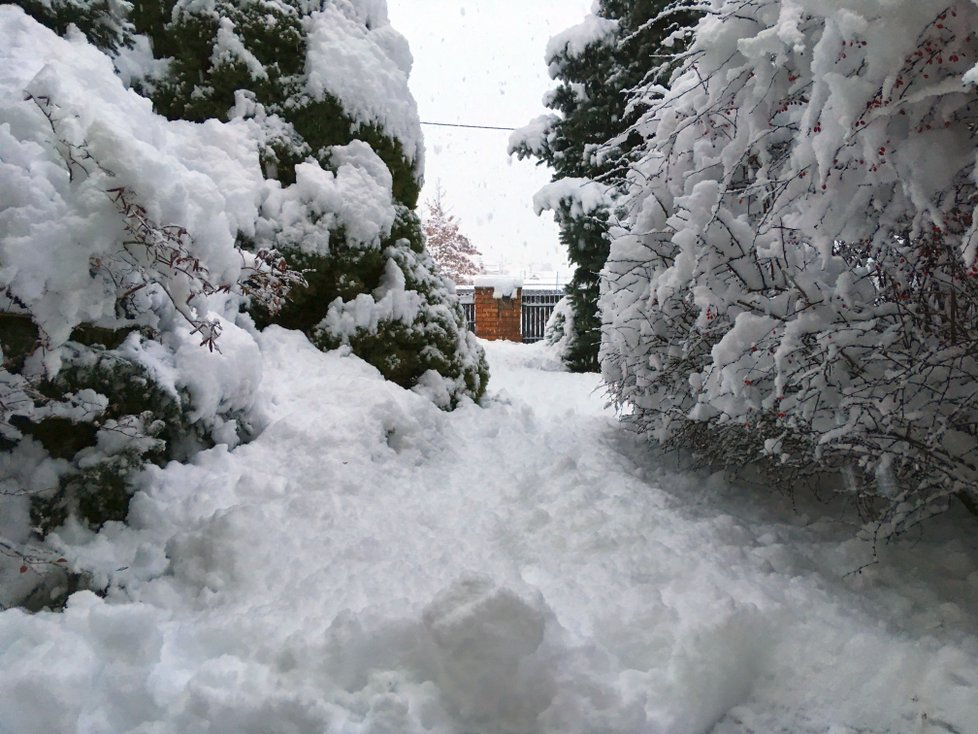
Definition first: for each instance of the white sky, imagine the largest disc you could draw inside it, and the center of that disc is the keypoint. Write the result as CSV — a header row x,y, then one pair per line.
x,y
481,62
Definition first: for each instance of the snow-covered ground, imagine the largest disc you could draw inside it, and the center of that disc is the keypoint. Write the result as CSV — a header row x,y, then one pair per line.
x,y
371,564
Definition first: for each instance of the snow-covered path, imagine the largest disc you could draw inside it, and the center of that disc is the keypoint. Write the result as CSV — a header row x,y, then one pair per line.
x,y
370,564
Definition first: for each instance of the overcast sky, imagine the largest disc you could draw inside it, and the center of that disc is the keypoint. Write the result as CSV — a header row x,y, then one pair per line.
x,y
481,62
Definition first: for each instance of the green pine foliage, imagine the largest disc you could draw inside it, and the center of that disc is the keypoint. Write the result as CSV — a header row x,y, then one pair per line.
x,y
116,419
432,344
92,456
100,449
586,238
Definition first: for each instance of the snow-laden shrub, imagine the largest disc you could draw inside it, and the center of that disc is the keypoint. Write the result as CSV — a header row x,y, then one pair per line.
x,y
559,330
797,282
326,83
120,285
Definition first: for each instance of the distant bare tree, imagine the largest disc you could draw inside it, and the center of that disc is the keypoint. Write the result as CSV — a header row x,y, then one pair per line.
x,y
452,250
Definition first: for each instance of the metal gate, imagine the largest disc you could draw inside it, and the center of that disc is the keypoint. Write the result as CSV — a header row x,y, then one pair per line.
x,y
538,304
466,296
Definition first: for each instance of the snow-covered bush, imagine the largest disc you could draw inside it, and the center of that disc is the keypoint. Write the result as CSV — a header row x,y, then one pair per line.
x,y
797,282
121,285
341,144
560,328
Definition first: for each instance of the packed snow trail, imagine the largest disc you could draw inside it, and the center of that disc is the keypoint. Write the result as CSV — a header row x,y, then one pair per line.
x,y
371,564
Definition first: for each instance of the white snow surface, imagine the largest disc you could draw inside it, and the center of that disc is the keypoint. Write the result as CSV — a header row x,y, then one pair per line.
x,y
576,39
582,195
372,564
206,177
535,136
366,69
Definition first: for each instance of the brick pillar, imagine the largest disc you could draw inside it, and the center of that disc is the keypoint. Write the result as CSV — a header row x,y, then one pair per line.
x,y
498,318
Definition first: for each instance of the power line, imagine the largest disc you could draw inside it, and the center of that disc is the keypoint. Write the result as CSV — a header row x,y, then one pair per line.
x,y
470,127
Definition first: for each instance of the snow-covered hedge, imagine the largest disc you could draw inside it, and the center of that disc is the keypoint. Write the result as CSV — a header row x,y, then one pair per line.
x,y
797,282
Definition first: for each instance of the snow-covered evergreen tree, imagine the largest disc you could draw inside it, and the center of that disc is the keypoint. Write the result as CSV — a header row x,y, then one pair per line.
x,y
621,47
448,245
796,283
327,83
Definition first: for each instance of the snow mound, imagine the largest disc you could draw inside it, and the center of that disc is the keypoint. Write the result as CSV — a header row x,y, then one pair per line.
x,y
485,637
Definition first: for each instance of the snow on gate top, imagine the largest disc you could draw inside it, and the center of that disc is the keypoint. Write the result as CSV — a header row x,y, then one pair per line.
x,y
503,286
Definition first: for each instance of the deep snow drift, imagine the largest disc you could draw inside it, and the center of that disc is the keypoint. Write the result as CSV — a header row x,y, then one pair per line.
x,y
370,564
